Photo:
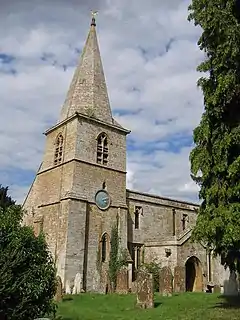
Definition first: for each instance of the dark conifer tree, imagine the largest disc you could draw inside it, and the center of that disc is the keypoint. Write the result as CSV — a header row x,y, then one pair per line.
x,y
215,160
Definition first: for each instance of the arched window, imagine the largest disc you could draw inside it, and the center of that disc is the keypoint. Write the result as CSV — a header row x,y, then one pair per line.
x,y
104,247
102,149
185,220
58,156
137,213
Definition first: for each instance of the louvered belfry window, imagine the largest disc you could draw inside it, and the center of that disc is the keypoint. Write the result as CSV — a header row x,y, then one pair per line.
x,y
102,149
58,156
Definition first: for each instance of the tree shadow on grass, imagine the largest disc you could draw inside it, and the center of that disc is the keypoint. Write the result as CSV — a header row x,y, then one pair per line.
x,y
67,298
228,302
67,318
157,304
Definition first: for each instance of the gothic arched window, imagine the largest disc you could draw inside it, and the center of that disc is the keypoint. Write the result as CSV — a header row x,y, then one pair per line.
x,y
58,156
104,247
102,149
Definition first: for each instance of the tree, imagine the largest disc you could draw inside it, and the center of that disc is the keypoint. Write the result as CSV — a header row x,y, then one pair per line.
x,y
5,200
27,271
215,160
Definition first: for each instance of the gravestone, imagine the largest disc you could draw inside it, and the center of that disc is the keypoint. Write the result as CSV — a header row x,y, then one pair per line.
x,y
68,287
165,281
179,279
59,291
231,285
217,289
77,284
134,287
122,281
145,290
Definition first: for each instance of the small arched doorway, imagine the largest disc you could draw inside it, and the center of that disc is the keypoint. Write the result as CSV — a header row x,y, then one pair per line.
x,y
194,280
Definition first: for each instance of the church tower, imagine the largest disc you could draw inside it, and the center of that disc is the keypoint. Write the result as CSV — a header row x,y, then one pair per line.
x,y
79,192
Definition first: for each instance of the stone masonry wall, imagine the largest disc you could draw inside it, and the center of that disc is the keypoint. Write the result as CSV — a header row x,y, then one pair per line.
x,y
88,179
158,254
101,222
77,213
88,131
68,131
156,221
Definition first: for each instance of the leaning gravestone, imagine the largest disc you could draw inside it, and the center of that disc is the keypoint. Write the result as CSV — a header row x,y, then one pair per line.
x,y
179,279
58,294
122,281
145,290
165,281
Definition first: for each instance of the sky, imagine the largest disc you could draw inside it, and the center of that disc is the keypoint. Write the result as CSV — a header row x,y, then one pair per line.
x,y
150,54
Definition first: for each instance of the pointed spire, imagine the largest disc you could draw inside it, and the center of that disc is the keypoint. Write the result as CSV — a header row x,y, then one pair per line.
x,y
87,93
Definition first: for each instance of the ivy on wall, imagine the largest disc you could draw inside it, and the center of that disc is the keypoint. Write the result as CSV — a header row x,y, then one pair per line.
x,y
117,259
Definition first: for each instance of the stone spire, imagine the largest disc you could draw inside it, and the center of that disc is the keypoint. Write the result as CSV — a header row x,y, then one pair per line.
x,y
88,91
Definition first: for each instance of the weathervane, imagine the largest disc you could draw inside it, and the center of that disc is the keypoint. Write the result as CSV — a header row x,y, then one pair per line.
x,y
94,14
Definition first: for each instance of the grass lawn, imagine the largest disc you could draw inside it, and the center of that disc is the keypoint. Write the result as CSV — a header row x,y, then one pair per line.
x,y
122,307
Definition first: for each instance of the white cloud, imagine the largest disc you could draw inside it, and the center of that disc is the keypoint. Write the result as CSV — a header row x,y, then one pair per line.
x,y
144,77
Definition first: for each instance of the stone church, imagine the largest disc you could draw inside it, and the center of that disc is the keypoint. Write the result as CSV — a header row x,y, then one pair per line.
x,y
79,194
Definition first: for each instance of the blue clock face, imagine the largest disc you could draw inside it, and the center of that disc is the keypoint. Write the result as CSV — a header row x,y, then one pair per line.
x,y
102,199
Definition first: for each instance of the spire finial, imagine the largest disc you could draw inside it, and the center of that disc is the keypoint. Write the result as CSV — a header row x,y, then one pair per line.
x,y
94,13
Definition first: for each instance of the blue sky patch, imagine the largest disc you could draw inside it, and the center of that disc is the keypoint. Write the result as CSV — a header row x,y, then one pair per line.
x,y
121,112
17,176
5,58
173,143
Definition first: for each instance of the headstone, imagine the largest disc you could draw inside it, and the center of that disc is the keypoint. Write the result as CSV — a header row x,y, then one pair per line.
x,y
165,281
104,283
145,290
179,279
59,291
217,289
122,281
77,284
134,287
68,287
231,285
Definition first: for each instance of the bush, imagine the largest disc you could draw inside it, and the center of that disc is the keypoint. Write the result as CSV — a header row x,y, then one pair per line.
x,y
154,267
27,272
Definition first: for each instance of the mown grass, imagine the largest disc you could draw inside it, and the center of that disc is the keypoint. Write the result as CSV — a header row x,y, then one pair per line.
x,y
187,306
